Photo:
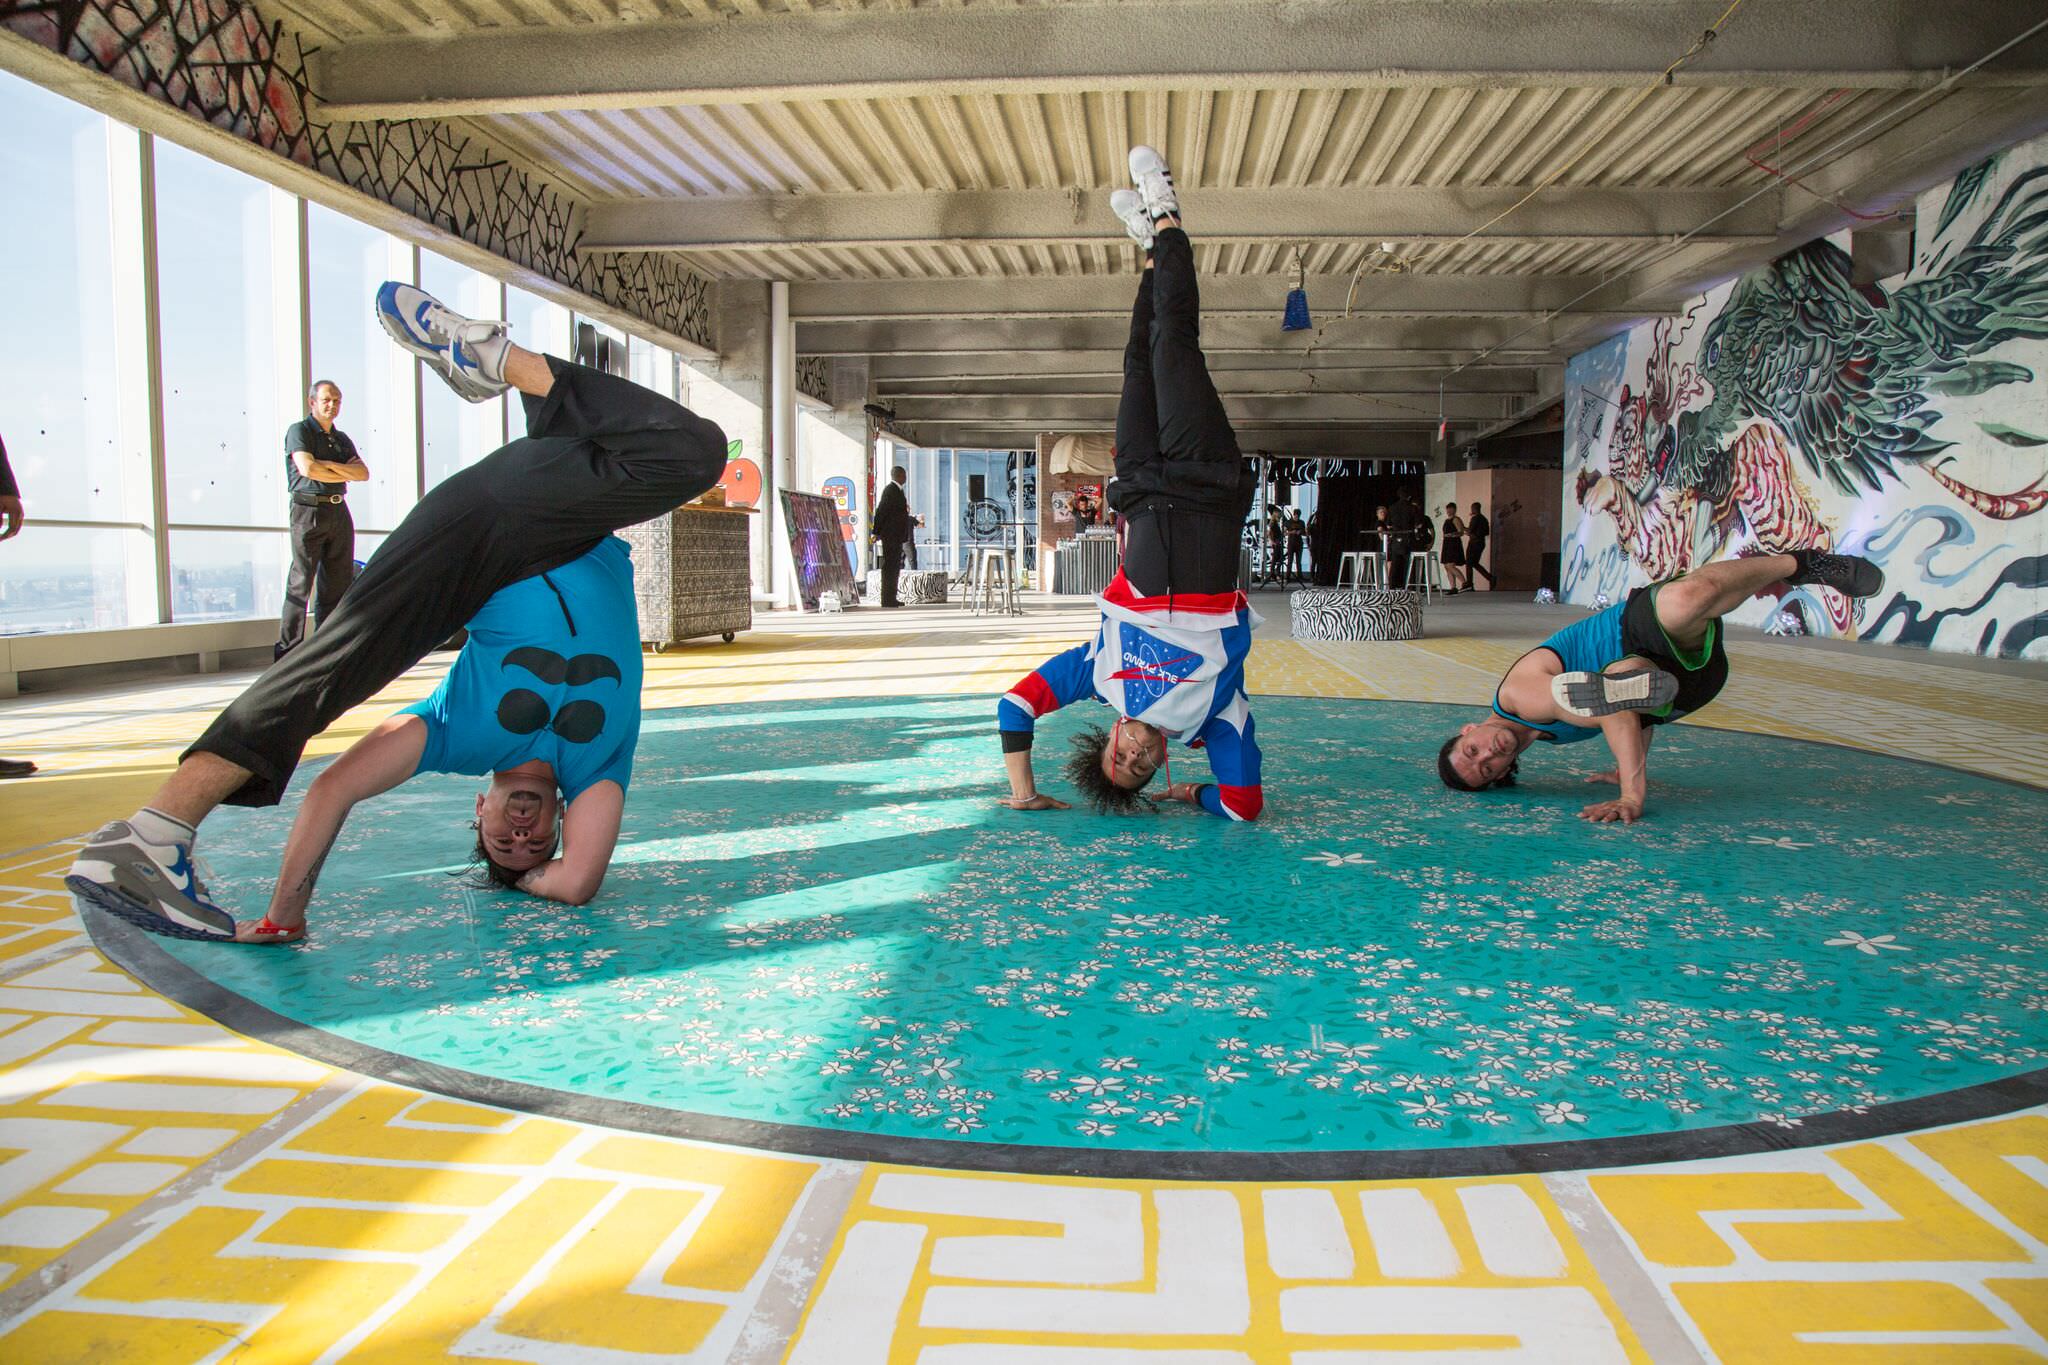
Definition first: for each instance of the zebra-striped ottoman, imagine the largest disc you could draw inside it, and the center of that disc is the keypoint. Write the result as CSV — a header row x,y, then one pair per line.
x,y
1367,614
912,585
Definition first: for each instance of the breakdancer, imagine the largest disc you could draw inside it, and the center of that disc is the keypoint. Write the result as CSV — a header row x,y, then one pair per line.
x,y
1642,663
1169,655
545,697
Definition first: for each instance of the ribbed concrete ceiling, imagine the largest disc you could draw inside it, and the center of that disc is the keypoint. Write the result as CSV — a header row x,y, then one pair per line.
x,y
934,178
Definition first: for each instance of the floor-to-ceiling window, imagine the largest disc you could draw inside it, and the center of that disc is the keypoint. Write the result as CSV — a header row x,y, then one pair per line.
x,y
346,262
60,380
151,457
227,288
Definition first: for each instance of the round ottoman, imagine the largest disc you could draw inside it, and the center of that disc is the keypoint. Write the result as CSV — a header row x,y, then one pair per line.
x,y
1366,614
912,586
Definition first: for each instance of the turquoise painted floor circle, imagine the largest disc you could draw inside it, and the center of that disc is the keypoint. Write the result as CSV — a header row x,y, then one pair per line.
x,y
819,917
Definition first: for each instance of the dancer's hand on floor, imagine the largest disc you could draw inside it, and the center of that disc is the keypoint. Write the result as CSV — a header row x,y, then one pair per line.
x,y
1612,777
1039,801
263,931
1606,812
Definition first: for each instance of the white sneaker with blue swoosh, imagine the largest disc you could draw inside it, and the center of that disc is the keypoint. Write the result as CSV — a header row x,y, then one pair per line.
x,y
153,886
442,337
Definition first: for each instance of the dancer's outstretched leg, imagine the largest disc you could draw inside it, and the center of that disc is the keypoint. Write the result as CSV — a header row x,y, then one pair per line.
x,y
601,454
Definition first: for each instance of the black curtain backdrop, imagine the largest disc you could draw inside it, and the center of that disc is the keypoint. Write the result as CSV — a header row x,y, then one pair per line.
x,y
1346,505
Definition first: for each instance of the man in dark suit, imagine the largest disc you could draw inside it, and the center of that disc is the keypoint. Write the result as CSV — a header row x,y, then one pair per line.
x,y
892,528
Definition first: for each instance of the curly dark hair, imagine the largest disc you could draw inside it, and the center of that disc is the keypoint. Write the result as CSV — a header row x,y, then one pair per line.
x,y
486,872
1459,784
1084,770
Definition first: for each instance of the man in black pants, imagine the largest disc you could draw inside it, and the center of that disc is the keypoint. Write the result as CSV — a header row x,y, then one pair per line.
x,y
320,461
1169,655
892,528
601,453
1477,530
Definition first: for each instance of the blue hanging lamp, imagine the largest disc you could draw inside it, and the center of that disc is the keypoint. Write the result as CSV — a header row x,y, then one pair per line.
x,y
1294,318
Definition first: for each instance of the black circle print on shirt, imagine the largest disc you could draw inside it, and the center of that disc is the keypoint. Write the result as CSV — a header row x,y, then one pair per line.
x,y
523,712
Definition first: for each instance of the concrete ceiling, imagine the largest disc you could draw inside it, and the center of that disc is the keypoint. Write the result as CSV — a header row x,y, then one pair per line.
x,y
1489,185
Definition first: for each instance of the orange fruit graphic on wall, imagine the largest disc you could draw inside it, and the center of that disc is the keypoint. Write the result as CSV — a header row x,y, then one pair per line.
x,y
741,479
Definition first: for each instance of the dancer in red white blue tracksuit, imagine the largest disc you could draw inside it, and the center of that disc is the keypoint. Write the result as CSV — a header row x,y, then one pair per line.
x,y
1169,656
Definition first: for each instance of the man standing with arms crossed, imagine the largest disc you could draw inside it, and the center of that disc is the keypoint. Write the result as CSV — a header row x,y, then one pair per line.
x,y
320,461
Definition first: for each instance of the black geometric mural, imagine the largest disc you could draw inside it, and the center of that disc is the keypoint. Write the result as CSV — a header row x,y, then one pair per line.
x,y
219,61
814,376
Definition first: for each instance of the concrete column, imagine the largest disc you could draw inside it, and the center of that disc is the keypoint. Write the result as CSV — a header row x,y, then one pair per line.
x,y
781,438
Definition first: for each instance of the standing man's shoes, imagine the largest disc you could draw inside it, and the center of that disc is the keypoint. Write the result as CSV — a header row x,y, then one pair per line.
x,y
16,767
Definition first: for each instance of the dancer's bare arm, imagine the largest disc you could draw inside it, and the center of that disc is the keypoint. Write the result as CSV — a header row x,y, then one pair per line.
x,y
590,831
1625,735
1024,793
374,764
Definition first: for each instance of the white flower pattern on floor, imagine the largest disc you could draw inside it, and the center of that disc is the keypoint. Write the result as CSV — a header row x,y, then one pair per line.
x,y
819,916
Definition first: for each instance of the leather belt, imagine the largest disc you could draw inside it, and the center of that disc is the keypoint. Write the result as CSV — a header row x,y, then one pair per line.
x,y
319,499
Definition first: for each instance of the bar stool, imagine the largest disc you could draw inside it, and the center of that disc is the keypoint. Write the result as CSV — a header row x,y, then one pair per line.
x,y
992,589
1426,564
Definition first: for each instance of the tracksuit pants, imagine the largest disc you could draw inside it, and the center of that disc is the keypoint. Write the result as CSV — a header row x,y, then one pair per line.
x,y
600,453
1182,486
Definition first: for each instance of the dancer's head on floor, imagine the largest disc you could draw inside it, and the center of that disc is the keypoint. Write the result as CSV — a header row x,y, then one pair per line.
x,y
516,823
1485,754
1111,767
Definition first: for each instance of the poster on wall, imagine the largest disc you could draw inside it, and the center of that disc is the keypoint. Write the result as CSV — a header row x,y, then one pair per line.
x,y
840,490
1905,420
817,549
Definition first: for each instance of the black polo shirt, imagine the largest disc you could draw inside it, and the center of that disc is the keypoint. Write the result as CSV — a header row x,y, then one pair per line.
x,y
334,447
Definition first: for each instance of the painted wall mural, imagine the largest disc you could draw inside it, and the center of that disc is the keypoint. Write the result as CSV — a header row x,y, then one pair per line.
x,y
1905,420
221,62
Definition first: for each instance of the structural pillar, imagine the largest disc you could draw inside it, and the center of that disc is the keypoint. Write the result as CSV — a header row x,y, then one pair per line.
x,y
781,439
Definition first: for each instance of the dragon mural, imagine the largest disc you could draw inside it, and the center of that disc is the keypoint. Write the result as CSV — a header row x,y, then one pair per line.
x,y
1798,408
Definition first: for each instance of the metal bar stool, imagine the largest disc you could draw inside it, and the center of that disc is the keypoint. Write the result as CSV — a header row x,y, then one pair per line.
x,y
1426,565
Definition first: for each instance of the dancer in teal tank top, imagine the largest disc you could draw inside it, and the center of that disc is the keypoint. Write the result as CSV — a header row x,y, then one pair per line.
x,y
1623,671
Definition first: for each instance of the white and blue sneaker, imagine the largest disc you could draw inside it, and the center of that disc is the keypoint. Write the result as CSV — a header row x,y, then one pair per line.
x,y
1155,183
445,339
1129,205
153,886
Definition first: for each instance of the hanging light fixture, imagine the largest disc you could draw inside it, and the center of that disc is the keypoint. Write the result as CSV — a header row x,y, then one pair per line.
x,y
1294,318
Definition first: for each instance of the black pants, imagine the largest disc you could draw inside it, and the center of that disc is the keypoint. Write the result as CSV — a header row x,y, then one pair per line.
x,y
892,570
1182,485
323,562
601,453
1474,551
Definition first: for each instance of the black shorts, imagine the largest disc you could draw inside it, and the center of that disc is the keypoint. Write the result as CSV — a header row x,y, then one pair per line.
x,y
1701,674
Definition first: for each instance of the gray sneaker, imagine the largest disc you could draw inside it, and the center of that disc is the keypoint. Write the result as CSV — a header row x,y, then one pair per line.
x,y
152,886
1589,696
440,336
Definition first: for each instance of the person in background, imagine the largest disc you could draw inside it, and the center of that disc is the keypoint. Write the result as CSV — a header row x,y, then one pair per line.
x,y
1401,527
892,529
10,527
1084,511
1451,552
1297,532
1477,530
320,461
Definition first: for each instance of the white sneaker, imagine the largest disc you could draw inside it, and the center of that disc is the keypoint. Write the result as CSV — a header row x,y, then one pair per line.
x,y
1129,205
440,336
1155,183
152,886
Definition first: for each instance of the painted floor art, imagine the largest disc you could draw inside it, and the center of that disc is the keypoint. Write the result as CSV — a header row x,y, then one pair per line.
x,y
849,1065
818,919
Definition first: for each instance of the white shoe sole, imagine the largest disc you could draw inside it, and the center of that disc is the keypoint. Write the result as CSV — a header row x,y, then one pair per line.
x,y
1589,696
